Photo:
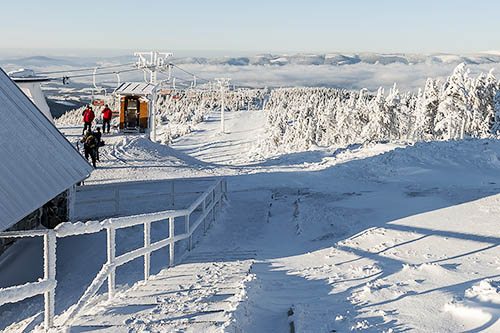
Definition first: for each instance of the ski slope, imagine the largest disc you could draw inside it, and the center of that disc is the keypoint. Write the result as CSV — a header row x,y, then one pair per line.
x,y
375,238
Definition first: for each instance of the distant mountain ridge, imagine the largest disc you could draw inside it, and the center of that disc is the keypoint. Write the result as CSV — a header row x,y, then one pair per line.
x,y
340,59
268,59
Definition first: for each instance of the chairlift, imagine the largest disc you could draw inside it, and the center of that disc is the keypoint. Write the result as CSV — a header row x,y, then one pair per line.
x,y
178,94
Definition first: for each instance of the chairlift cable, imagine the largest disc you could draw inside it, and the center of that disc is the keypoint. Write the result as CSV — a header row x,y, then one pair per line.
x,y
86,69
187,72
85,75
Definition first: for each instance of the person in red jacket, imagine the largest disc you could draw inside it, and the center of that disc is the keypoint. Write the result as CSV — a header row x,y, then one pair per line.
x,y
107,114
88,117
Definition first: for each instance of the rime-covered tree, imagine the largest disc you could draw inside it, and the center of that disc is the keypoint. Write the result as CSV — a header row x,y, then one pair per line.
x,y
495,128
454,111
426,109
379,118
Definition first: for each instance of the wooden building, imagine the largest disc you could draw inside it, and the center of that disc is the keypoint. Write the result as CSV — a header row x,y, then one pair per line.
x,y
135,105
39,167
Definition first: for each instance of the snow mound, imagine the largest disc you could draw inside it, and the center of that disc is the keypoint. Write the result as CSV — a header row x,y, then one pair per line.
x,y
486,291
480,308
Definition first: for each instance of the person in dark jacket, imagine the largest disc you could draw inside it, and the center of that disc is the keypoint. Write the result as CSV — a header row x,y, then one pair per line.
x,y
107,114
88,117
89,146
98,136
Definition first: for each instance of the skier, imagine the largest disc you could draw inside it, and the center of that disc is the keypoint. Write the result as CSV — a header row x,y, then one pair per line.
x,y
88,117
99,142
107,114
89,146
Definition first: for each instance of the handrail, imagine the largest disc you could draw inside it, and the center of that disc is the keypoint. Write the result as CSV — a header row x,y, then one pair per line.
x,y
215,195
117,197
23,233
18,293
139,182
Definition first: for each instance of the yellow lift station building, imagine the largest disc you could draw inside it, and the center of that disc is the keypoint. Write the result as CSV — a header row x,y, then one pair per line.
x,y
135,104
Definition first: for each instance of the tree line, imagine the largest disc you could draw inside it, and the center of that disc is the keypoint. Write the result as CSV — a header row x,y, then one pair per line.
x,y
461,107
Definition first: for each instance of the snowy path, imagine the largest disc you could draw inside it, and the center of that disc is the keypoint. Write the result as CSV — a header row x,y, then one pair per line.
x,y
242,130
198,294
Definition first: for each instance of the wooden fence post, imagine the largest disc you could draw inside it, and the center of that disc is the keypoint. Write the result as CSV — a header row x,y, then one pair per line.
x,y
186,229
71,202
49,273
171,228
205,218
214,204
111,236
147,243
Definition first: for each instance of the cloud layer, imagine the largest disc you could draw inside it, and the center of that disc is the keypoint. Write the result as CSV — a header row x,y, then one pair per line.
x,y
358,76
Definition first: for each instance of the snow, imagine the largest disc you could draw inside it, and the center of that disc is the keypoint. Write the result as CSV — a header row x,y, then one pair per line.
x,y
22,73
379,237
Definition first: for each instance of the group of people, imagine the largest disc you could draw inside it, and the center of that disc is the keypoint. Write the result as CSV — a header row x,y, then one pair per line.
x,y
92,140
91,143
89,116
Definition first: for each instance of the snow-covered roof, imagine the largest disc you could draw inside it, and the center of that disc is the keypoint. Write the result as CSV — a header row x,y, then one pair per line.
x,y
24,75
135,88
36,161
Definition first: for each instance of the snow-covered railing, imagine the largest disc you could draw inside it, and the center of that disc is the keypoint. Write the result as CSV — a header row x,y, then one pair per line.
x,y
117,193
207,203
45,286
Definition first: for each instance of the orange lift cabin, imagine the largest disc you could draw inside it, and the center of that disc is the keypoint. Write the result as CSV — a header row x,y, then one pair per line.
x,y
135,105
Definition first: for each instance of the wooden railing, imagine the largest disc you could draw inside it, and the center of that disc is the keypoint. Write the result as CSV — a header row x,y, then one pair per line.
x,y
207,204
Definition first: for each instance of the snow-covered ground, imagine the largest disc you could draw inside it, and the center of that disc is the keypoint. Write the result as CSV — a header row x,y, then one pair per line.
x,y
376,238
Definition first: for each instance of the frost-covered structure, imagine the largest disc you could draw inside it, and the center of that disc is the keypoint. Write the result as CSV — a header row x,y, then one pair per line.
x,y
37,163
29,83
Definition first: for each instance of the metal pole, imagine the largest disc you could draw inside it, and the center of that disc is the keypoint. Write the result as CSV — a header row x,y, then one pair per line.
x,y
111,235
222,110
222,83
153,115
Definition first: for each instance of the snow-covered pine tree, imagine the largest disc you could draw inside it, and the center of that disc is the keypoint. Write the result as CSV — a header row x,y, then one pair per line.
x,y
426,109
492,89
378,127
495,128
454,110
395,117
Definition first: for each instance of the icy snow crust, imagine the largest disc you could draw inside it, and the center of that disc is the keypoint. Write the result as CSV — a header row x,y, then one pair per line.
x,y
376,237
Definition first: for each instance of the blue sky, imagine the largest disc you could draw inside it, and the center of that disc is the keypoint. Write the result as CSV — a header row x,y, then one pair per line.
x,y
454,26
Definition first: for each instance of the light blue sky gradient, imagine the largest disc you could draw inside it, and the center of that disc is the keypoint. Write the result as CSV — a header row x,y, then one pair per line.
x,y
256,26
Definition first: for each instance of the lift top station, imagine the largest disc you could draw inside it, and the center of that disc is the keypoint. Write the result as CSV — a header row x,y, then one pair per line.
x,y
135,103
